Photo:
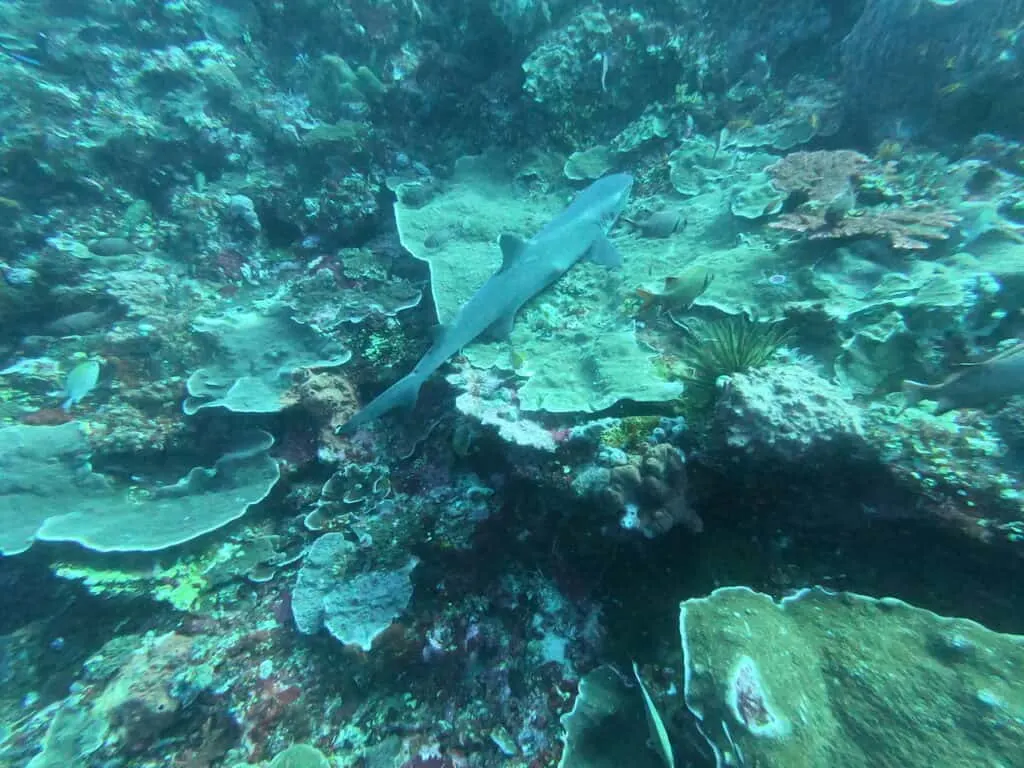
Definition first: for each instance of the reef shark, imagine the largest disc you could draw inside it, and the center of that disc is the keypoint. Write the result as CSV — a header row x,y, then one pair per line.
x,y
527,268
974,385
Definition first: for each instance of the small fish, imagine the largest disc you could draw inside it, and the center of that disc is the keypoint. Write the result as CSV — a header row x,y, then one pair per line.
x,y
20,57
660,224
974,385
78,323
81,381
678,293
46,417
112,246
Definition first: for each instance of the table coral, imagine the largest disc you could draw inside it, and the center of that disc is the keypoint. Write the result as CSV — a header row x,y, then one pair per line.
x,y
907,227
842,679
820,175
827,186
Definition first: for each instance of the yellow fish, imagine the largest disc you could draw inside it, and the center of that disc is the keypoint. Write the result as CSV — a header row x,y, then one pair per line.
x,y
678,293
80,382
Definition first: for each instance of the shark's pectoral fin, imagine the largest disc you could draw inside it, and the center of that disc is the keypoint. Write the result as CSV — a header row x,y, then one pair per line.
x,y
604,253
512,248
500,329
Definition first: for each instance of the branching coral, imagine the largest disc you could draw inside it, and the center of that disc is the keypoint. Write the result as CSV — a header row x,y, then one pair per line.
x,y
906,227
820,176
828,182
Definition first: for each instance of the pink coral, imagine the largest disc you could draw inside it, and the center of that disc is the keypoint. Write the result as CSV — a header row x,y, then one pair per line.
x,y
907,227
829,180
821,176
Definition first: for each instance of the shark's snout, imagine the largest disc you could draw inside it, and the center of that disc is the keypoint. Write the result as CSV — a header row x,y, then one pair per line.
x,y
619,185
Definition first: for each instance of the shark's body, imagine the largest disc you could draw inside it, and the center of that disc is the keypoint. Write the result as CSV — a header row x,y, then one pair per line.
x,y
528,267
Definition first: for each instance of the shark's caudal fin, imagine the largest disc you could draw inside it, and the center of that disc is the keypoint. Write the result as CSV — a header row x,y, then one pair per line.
x,y
913,393
402,393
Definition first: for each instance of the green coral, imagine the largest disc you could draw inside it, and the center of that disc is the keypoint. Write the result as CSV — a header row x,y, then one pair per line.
x,y
300,756
755,197
699,165
73,735
105,581
629,433
146,521
250,371
588,164
344,133
134,216
182,584
335,83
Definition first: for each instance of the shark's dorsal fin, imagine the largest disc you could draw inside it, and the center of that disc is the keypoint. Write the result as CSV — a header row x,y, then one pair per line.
x,y
512,248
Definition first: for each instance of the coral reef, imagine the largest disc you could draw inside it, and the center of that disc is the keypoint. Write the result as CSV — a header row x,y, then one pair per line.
x,y
747,695
787,413
648,492
224,227
924,65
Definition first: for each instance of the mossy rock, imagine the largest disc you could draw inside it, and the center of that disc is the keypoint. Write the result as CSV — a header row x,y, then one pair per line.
x,y
344,133
630,433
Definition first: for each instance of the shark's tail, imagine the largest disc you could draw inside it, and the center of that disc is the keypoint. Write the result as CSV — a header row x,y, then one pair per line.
x,y
403,393
913,393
